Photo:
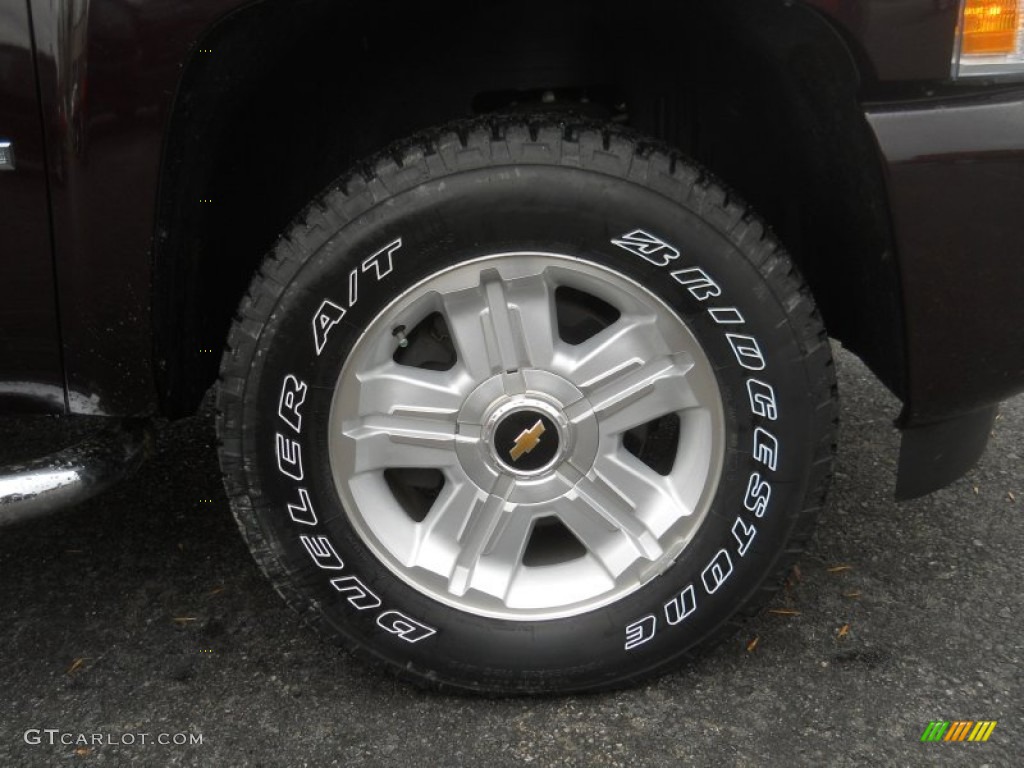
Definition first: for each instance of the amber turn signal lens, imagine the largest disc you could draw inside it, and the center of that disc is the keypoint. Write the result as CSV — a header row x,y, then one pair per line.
x,y
990,26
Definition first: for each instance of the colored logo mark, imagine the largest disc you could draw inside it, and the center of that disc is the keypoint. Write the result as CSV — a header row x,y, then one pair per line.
x,y
958,730
527,440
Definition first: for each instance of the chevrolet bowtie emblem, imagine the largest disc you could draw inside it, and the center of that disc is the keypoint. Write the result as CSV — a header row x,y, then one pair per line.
x,y
527,440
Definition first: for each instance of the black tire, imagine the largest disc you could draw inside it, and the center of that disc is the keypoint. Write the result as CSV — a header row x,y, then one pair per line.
x,y
497,187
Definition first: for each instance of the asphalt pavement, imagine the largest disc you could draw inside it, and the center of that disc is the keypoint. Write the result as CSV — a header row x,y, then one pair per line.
x,y
139,618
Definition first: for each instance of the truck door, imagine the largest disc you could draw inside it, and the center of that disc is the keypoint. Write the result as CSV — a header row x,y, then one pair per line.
x,y
31,374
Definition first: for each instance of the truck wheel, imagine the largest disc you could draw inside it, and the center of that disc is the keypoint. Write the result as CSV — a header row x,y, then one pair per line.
x,y
524,406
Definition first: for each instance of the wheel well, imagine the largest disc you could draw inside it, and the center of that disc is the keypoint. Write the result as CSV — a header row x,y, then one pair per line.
x,y
279,99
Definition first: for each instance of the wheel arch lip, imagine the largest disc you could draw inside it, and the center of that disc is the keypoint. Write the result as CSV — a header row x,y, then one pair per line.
x,y
951,248
955,175
108,73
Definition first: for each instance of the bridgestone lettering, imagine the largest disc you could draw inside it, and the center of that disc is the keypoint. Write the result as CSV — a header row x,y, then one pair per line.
x,y
765,448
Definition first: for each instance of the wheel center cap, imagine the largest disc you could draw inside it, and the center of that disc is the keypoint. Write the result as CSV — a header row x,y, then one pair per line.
x,y
526,435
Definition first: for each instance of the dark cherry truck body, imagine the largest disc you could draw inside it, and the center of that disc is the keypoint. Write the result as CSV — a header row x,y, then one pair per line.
x,y
156,149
